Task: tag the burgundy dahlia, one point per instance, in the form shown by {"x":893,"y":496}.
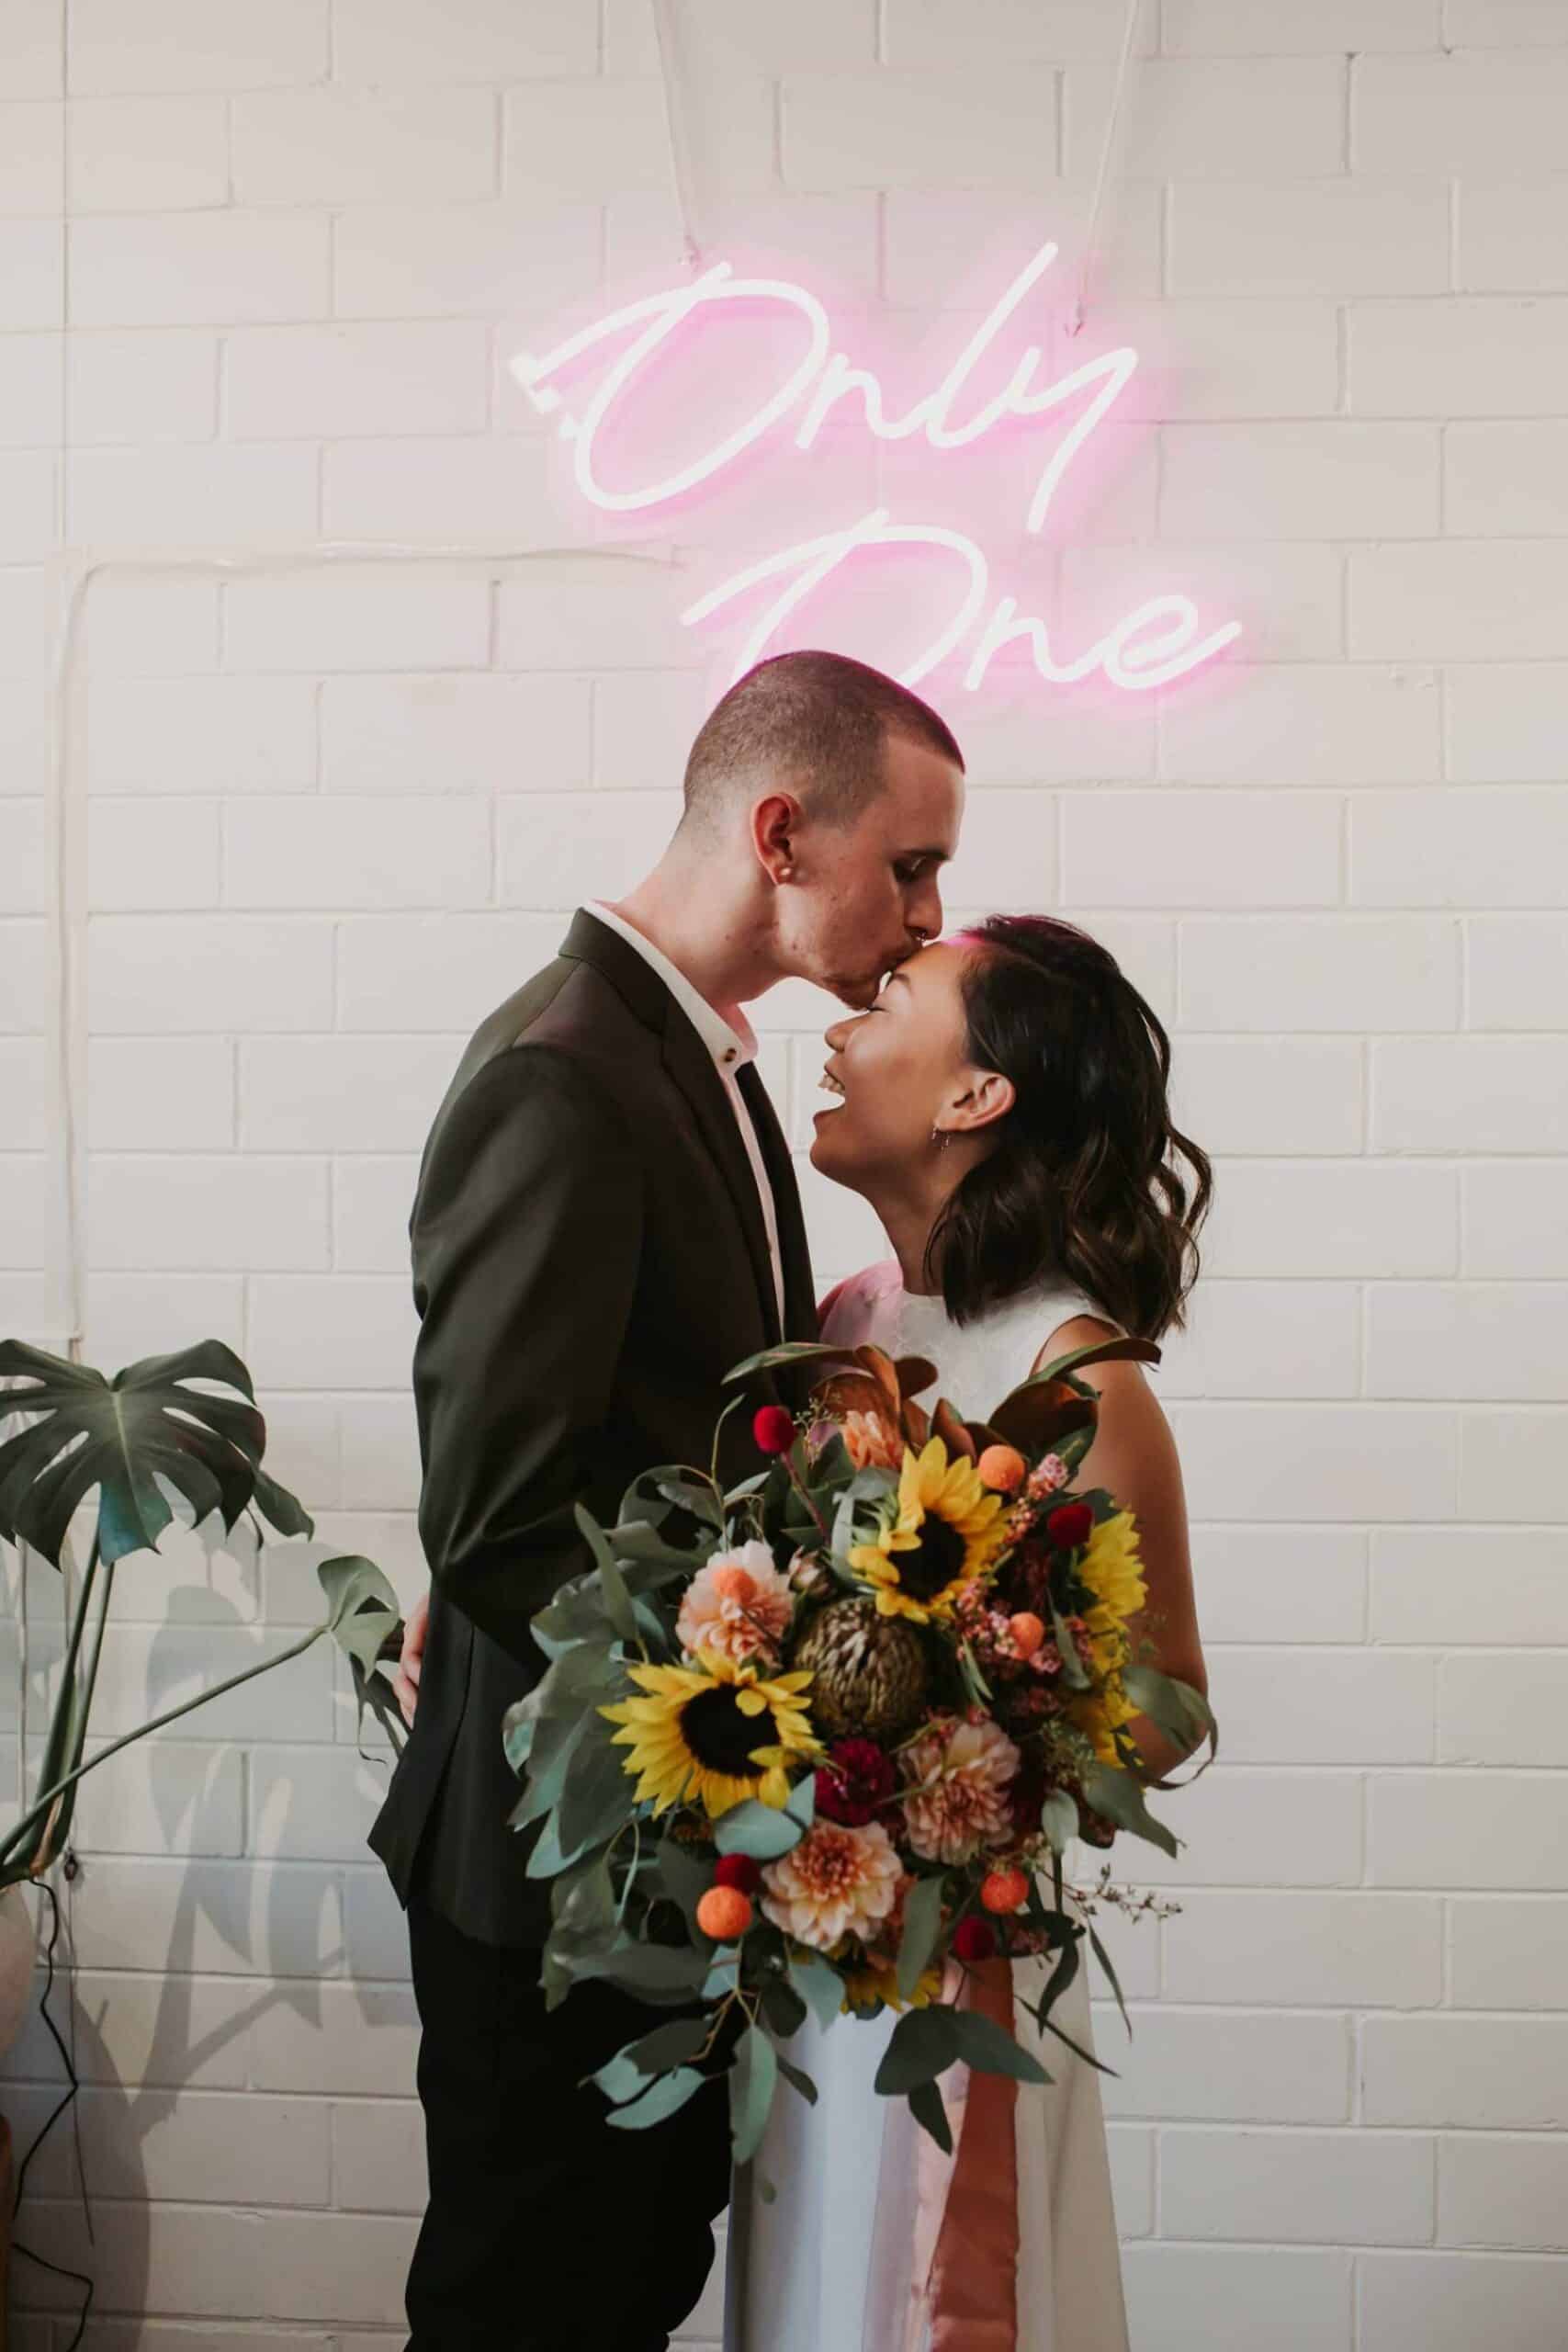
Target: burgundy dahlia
{"x":854,"y":1783}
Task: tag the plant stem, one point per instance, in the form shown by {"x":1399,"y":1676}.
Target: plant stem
{"x":159,"y":1723}
{"x":56,"y":1829}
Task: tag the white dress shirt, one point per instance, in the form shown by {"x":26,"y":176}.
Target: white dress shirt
{"x":730,"y":1049}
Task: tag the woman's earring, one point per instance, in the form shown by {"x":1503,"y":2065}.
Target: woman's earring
{"x":942,"y":1137}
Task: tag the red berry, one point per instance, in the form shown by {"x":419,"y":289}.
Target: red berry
{"x":974,"y":1939}
{"x":1069,"y":1525}
{"x":737,"y":1870}
{"x":773,"y":1428}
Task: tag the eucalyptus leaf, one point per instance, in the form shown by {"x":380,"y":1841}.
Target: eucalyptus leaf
{"x":675,"y":2044}
{"x":664,"y":2097}
{"x":989,"y":2048}
{"x":685,"y":1878}
{"x":1118,"y":1796}
{"x":798,"y":2079}
{"x":924,"y":2044}
{"x":754,"y":2078}
{"x":1059,"y":1820}
{"x":598,"y":1797}
{"x":801,"y":1802}
{"x":784,"y":2008}
{"x":923,"y":1926}
{"x":1111,"y":1976}
{"x":821,"y":1988}
{"x":617,"y":1600}
{"x":763,"y":1831}
{"x":926,"y":2107}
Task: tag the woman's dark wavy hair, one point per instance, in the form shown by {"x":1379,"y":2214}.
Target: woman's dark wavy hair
{"x":1083,"y":1183}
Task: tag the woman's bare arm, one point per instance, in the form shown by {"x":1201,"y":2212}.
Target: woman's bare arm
{"x":1134,"y":1456}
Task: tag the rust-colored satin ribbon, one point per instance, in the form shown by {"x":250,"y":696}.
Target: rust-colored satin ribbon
{"x":966,"y":2272}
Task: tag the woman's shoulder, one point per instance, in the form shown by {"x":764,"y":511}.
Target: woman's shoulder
{"x":854,"y":1305}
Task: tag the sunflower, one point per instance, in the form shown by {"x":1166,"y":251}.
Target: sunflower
{"x":948,"y":1531}
{"x":874,"y":1985}
{"x":1112,"y":1571}
{"x":700,"y":1735}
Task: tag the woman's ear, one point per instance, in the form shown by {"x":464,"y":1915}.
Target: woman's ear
{"x":983,"y":1099}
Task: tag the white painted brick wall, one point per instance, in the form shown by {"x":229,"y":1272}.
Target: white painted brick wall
{"x":333,"y":818}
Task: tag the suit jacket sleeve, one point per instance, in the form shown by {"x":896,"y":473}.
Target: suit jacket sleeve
{"x":526,"y":1237}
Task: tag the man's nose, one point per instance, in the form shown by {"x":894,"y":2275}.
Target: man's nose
{"x":924,"y":915}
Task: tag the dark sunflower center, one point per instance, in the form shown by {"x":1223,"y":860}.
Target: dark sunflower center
{"x":720,"y":1735}
{"x":934,"y":1562}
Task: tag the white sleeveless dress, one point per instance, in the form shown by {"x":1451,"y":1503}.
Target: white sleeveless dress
{"x":828,"y":2266}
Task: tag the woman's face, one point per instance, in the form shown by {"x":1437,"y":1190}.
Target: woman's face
{"x":897,"y":1071}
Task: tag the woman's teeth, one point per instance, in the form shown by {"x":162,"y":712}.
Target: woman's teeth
{"x":832,"y":1089}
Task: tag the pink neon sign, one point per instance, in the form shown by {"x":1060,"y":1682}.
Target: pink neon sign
{"x":1161,"y":639}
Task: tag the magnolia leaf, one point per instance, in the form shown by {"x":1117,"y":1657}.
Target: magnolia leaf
{"x":989,"y":2048}
{"x":1182,"y":1714}
{"x":763,"y":1831}
{"x":122,"y":1437}
{"x":821,"y":1988}
{"x":663,"y":2098}
{"x":924,"y":2044}
{"x":1123,"y":1350}
{"x":1119,"y":1797}
{"x":954,"y":1435}
{"x":754,"y":2078}
{"x":1041,"y":1416}
{"x":1059,"y":1820}
{"x":923,"y":1926}
{"x":793,"y":1351}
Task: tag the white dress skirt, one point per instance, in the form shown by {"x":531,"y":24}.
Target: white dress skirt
{"x":832,"y":2263}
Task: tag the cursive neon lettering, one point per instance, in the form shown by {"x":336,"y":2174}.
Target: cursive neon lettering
{"x":1160,"y":640}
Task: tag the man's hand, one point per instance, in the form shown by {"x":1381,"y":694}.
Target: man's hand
{"x":405,"y":1682}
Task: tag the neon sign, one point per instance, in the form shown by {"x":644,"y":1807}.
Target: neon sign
{"x":1158,"y":640}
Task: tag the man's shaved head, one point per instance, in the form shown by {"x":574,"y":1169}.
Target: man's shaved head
{"x":815,"y":725}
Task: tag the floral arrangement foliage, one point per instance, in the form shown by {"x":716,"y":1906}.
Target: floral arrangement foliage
{"x":819,"y":1745}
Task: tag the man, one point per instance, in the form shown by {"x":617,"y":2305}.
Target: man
{"x":607,"y":1220}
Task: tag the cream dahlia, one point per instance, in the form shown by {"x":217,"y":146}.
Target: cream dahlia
{"x":837,"y":1882}
{"x":738,"y":1607}
{"x":959,"y":1775}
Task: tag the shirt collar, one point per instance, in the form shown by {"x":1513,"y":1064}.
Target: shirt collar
{"x":729,"y":1047}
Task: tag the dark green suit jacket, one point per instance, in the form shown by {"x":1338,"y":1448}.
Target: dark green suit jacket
{"x":589,"y":1259}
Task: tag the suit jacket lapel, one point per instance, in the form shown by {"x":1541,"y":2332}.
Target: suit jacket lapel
{"x":799,"y":1291}
{"x":691,"y":1066}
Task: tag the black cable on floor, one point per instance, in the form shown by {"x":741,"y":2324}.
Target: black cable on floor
{"x":69,"y":2094}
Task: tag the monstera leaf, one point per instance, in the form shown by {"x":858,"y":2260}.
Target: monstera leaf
{"x":122,"y":1436}
{"x":363,"y":1620}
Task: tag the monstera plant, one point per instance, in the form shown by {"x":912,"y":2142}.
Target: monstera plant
{"x":187,"y":1424}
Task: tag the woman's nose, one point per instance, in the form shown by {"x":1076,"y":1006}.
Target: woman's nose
{"x":835,"y":1037}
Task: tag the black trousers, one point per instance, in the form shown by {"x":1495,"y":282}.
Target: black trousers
{"x":548,"y":2231}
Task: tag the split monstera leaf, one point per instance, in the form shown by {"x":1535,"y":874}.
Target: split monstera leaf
{"x":188,"y":1425}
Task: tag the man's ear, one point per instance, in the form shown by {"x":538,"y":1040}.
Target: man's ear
{"x":983,"y":1098}
{"x":776,"y":824}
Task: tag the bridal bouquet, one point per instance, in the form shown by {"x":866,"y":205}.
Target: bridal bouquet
{"x":816,"y":1745}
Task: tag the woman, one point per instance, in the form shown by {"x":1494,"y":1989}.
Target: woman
{"x":1002,"y":1106}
